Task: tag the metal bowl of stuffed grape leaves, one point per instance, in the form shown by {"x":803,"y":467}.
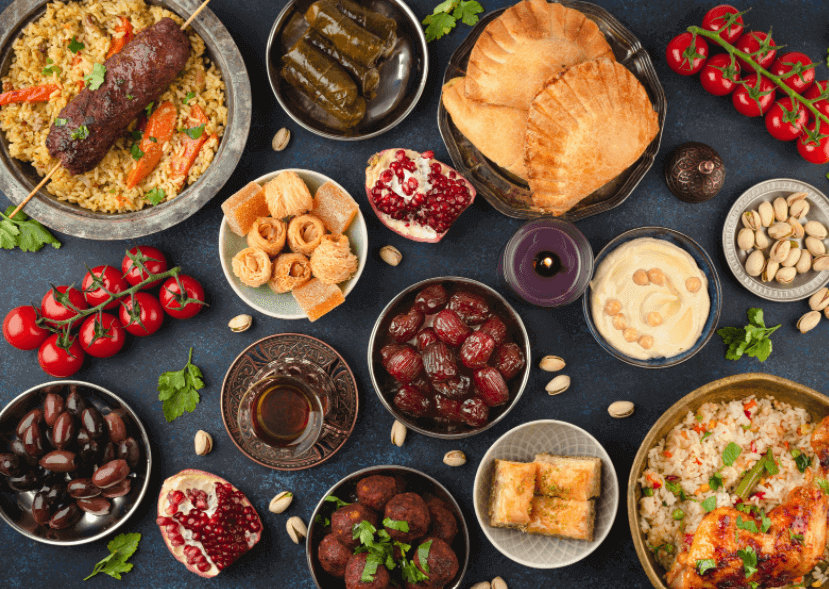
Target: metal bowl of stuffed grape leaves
{"x":347,"y":69}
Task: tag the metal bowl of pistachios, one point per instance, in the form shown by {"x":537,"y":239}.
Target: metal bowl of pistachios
{"x":775,"y":239}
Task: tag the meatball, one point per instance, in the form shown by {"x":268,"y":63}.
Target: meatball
{"x":354,"y":572}
{"x":442,"y":561}
{"x":375,"y":491}
{"x":344,"y":519}
{"x":444,"y":524}
{"x":411,"y":508}
{"x":333,"y":556}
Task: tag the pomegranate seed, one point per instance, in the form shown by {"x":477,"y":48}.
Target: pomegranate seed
{"x":399,"y":173}
{"x":413,"y":183}
{"x":436,"y":169}
{"x":400,"y":155}
{"x":410,"y":165}
{"x":176,"y":540}
{"x":427,"y":155}
{"x":453,"y":175}
{"x":407,"y":190}
{"x":386,"y":176}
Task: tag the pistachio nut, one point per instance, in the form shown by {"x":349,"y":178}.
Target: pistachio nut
{"x":390,"y":255}
{"x":398,"y":433}
{"x":482,"y":585}
{"x":769,"y":271}
{"x":794,"y":256}
{"x":820,"y":263}
{"x":755,"y":263}
{"x":499,"y":583}
{"x":766,"y":212}
{"x":804,"y":264}
{"x":281,"y":502}
{"x":781,"y":209}
{"x":693,"y":284}
{"x":203,"y":443}
{"x":795,"y":198}
{"x":745,"y":240}
{"x":454,"y":458}
{"x":815,"y":229}
{"x":240,"y":323}
{"x":751,"y":220}
{"x":786,"y":275}
{"x":640,"y":277}
{"x":620,"y":409}
{"x":781,"y":230}
{"x":809,"y":321}
{"x":761,"y":240}
{"x":558,"y":385}
{"x":798,"y":231}
{"x":820,"y":300}
{"x":552,"y":363}
{"x":799,"y":209}
{"x":281,"y":139}
{"x":297,"y":529}
{"x":816,"y":246}
{"x":826,"y":312}
{"x":780,"y":250}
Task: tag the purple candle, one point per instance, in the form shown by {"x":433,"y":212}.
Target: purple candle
{"x":548,"y":262}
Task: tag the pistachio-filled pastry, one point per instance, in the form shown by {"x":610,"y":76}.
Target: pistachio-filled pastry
{"x":252,"y":266}
{"x":268,"y":234}
{"x":305,"y":234}
{"x":332,"y":261}
{"x":289,"y":272}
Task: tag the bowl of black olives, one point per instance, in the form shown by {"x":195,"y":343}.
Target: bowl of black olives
{"x":74,"y":462}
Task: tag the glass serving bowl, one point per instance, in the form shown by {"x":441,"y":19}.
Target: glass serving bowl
{"x":714,"y":292}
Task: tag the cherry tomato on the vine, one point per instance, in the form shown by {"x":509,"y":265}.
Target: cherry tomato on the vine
{"x":754,"y":98}
{"x":60,"y":308}
{"x":784,"y":121}
{"x":683,"y":58}
{"x":141,"y":314}
{"x":21,"y":330}
{"x":152,"y":259}
{"x":796,"y":69}
{"x":813,"y":144}
{"x":61,"y":355}
{"x":98,"y":281}
{"x":102,"y":335}
{"x":754,"y":42}
{"x":182,"y":296}
{"x":817,"y":90}
{"x":715,"y":19}
{"x":719,"y":76}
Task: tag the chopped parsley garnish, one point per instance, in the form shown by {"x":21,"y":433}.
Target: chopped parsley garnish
{"x":81,"y":133}
{"x":130,"y":97}
{"x":730,"y":454}
{"x":705,"y":435}
{"x":339,"y":502}
{"x":715,"y":481}
{"x":153,"y":139}
{"x":190,"y":96}
{"x":800,"y":459}
{"x":119,"y":81}
{"x":749,"y":560}
{"x":156,"y":196}
{"x":96,"y":77}
{"x":136,"y":134}
{"x":705,"y":565}
{"x":765,"y":522}
{"x":149,"y":109}
{"x":667,"y":547}
{"x":797,"y":538}
{"x":60,"y":122}
{"x":399,"y":525}
{"x":709,"y":504}
{"x":423,"y":555}
{"x":136,"y":152}
{"x":748,"y":525}
{"x":50,"y":69}
{"x":372,"y":562}
{"x":75,"y":45}
{"x":195,"y":132}
{"x":823,"y":484}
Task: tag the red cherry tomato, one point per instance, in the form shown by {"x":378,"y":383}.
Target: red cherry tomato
{"x":141,"y":314}
{"x":102,"y":335}
{"x":182,"y":298}
{"x":796,"y":69}
{"x":719,"y":77}
{"x":152,"y":259}
{"x":755,"y":41}
{"x":785,"y":122}
{"x":21,"y":330}
{"x":55,"y":310}
{"x":98,"y":281}
{"x":753,"y":100}
{"x":715,"y":20}
{"x":684,"y":59}
{"x":817,"y":90}
{"x":60,"y":356}
{"x":813,"y":145}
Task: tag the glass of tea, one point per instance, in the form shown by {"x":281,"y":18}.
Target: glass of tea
{"x":282,"y":410}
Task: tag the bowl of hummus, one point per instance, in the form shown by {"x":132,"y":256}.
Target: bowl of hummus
{"x":655,"y":298}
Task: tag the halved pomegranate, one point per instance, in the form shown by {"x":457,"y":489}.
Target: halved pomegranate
{"x":415,"y":195}
{"x":206,"y":522}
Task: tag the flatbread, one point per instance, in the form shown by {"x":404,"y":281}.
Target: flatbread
{"x":497,"y":131}
{"x":525,"y":47}
{"x":584,"y":129}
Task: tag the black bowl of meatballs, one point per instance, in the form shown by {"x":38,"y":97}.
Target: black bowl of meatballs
{"x":388,"y":526}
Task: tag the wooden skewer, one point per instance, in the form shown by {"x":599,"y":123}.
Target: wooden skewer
{"x":57,"y":166}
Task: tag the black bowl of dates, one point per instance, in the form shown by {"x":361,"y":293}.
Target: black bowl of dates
{"x":388,"y":526}
{"x":448,"y":357}
{"x":74,"y":462}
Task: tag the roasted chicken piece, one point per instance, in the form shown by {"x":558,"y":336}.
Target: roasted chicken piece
{"x":723,"y":555}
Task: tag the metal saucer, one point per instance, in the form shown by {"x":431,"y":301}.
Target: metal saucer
{"x":804,"y":285}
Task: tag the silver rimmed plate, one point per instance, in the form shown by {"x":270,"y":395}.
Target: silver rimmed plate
{"x":804,"y":285}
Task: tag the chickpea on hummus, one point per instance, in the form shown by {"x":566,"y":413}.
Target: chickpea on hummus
{"x":649,"y":299}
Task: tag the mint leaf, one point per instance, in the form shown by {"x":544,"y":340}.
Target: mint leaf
{"x":179,"y":390}
{"x":730,"y":454}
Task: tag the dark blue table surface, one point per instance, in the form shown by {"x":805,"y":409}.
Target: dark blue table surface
{"x":471,"y":249}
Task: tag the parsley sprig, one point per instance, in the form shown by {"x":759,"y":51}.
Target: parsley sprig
{"x":121,"y":548}
{"x":179,"y":390}
{"x":155,"y":196}
{"x":23,"y":232}
{"x":446,"y":15}
{"x":95,"y":78}
{"x":752,"y":340}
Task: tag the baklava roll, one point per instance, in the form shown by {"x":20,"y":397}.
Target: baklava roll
{"x":252,"y":266}
{"x":268,"y":234}
{"x":305,"y":233}
{"x":289,"y":271}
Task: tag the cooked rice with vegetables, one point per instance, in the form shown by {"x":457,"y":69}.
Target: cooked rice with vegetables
{"x":66,"y":48}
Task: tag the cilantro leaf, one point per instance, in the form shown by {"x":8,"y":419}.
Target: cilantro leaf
{"x":412,"y":574}
{"x":75,"y":45}
{"x":715,"y":481}
{"x":194,"y":132}
{"x":95,"y":78}
{"x":823,"y":484}
{"x":121,"y":548}
{"x":801,"y":460}
{"x":705,"y":565}
{"x":755,"y":317}
{"x":370,"y":569}
{"x":179,"y":390}
{"x":21,"y":231}
{"x":730,"y":454}
{"x":50,"y":68}
{"x":61,"y":122}
{"x":676,"y":489}
{"x":765,"y":522}
{"x":136,"y":152}
{"x":709,"y":504}
{"x":156,"y":196}
{"x":748,"y":525}
{"x":399,"y":525}
{"x":438,"y":25}
{"x":339,"y":502}
{"x":364,"y":531}
{"x":423,"y":555}
{"x":749,"y":560}
{"x":190,"y":96}
{"x":752,"y":340}
{"x":80,"y":133}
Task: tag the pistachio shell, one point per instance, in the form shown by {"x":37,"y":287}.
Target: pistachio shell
{"x":786,"y":275}
{"x":454,"y":458}
{"x":804,"y":264}
{"x":482,"y":585}
{"x":781,"y":209}
{"x":552,"y":363}
{"x":815,"y":229}
{"x":780,"y":250}
{"x":751,"y":220}
{"x":297,"y":529}
{"x":499,"y":583}
{"x":281,"y":502}
{"x":558,"y":385}
{"x":203,"y":443}
{"x":281,"y":139}
{"x":398,"y":433}
{"x":793,"y":258}
{"x":820,"y":300}
{"x":816,"y":246}
{"x":766,"y":212}
{"x":798,"y":232}
{"x":620,"y":409}
{"x":799,"y":209}
{"x":781,"y":230}
{"x":390,"y":255}
{"x":745,"y":239}
{"x":826,"y":312}
{"x":809,"y":321}
{"x":761,"y":240}
{"x":795,"y":198}
{"x":240,"y":323}
{"x":769,"y":271}
{"x":754,"y":263}
{"x":820,"y":263}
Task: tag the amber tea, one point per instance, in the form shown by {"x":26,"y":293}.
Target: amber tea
{"x":281,"y":414}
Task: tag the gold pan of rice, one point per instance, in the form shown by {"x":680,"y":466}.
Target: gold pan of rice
{"x":670,"y":477}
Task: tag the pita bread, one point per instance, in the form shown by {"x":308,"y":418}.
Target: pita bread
{"x":525,"y":47}
{"x":497,"y":131}
{"x":584,"y":129}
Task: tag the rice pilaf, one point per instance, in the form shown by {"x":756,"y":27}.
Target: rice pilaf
{"x":42,"y":56}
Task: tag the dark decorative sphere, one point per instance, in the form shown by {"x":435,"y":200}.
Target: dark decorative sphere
{"x":694,"y":172}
